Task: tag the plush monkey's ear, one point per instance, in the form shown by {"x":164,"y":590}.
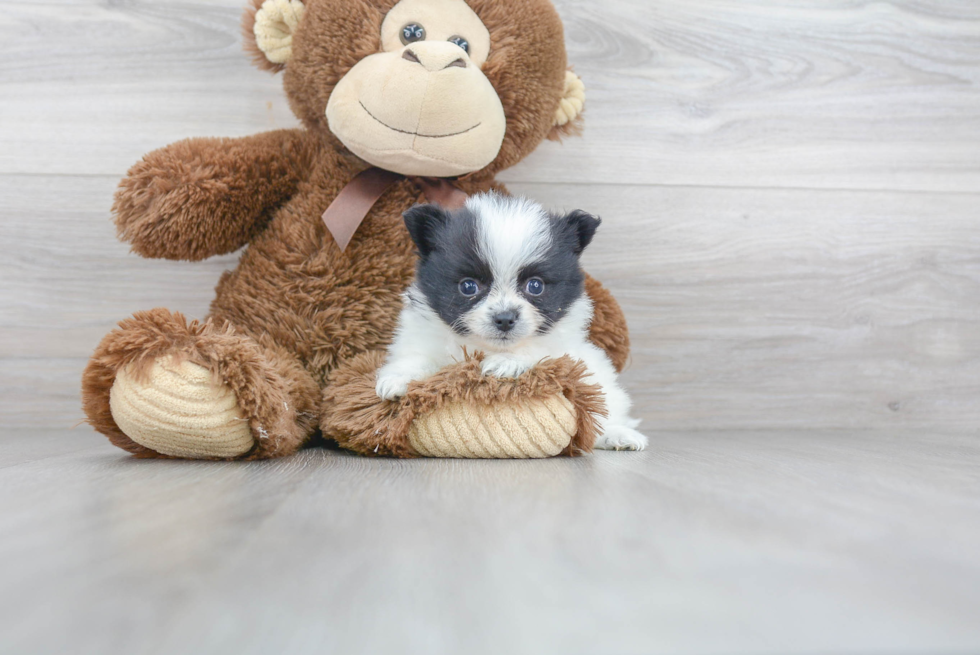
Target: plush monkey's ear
{"x":584,"y":226}
{"x":568,"y":117}
{"x":423,"y":223}
{"x":268,"y":27}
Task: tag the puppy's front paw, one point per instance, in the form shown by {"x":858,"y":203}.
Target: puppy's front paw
{"x":620,"y":437}
{"x":503,"y":366}
{"x":391,"y":386}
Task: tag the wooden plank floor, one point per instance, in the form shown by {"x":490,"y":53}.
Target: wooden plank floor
{"x":712,"y":542}
{"x":791,"y":194}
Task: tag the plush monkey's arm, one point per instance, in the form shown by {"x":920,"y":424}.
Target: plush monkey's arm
{"x":202,"y":197}
{"x":609,"y":330}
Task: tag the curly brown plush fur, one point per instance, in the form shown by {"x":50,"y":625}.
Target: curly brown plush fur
{"x":297,"y":310}
{"x":274,"y":391}
{"x":203,"y":197}
{"x":358,"y":420}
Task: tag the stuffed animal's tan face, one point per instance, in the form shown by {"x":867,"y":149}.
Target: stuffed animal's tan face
{"x":422,"y":106}
{"x":423,"y":87}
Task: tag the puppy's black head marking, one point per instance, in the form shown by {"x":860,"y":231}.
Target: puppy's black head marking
{"x":423,"y":223}
{"x":448,"y":252}
{"x":584,"y":226}
{"x":559,"y":268}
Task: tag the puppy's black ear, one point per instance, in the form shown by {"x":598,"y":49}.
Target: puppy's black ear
{"x":583,"y":226}
{"x":423,"y":222}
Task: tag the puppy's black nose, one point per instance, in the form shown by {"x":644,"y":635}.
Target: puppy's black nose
{"x":505,"y":321}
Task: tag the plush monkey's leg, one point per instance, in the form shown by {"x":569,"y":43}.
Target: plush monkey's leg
{"x":608,"y":330}
{"x":160,"y":387}
{"x":459,"y":412}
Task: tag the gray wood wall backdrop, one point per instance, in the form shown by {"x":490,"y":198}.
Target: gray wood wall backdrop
{"x":791,"y":193}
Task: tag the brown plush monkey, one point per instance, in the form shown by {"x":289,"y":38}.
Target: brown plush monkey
{"x":458,"y":89}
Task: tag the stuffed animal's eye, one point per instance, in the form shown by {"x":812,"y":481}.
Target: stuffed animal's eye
{"x":412,"y":32}
{"x":461,"y":42}
{"x":469,"y":287}
{"x":535,"y":286}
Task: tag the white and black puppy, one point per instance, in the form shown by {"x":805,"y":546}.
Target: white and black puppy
{"x":502,"y":276}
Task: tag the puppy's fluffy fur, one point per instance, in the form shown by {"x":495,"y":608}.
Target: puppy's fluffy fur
{"x":502,"y":276}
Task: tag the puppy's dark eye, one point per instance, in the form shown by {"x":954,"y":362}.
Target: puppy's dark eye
{"x":461,"y":42}
{"x":469,"y":287}
{"x":535,"y":286}
{"x":412,"y":32}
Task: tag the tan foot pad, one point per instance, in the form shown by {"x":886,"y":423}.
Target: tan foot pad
{"x":530,"y":429}
{"x":177,"y":410}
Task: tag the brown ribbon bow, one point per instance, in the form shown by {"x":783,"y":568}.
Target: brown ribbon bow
{"x":349,"y":209}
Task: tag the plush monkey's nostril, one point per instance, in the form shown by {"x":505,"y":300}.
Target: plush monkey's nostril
{"x":505,"y":321}
{"x":433,"y":60}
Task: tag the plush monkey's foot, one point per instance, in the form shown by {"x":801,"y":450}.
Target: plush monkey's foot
{"x":460,"y":412}
{"x":160,"y":387}
{"x":177,"y":409}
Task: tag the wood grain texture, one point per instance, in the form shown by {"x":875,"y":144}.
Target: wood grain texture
{"x":749,"y":309}
{"x":790,"y":194}
{"x":712,"y":542}
{"x":824,"y":93}
{"x":817,"y":94}
{"x":792,"y":309}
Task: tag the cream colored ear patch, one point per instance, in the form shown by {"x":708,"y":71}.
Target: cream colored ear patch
{"x":275,"y":23}
{"x":572,"y":101}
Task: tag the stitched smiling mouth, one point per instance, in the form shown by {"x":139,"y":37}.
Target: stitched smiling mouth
{"x":427,"y":136}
